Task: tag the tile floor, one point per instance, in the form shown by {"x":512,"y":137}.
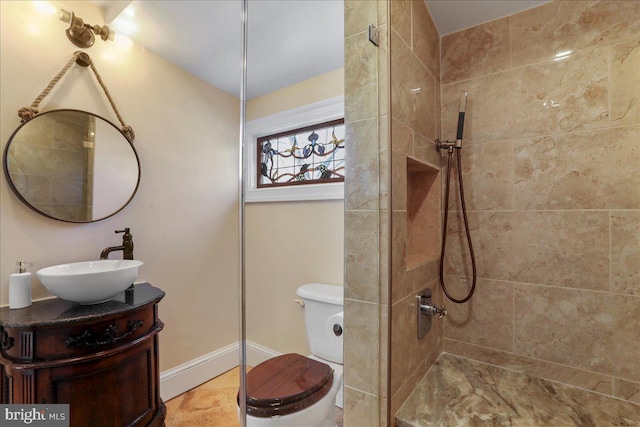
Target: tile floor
{"x":464,"y":393}
{"x":212,"y":404}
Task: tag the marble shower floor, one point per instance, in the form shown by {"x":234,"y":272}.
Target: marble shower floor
{"x":212,"y":404}
{"x":461,"y":392}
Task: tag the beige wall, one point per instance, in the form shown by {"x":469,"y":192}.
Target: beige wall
{"x":415,"y":184}
{"x":552,"y":179}
{"x":184,"y":216}
{"x":288,"y":244}
{"x":324,"y":86}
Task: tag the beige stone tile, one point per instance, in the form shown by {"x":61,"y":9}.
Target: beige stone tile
{"x":491,"y":235}
{"x":35,"y":189}
{"x":383,"y":70}
{"x":542,"y":99}
{"x":421,"y":276}
{"x":384,"y":414}
{"x":401,"y":146}
{"x":538,"y":368}
{"x":462,"y":392}
{"x":412,"y":381}
{"x":358,"y":14}
{"x":361,"y":255}
{"x":425,"y":150}
{"x":400,"y":287}
{"x":362,"y":160}
{"x":477,"y":51}
{"x":582,"y":170}
{"x":384,"y":161}
{"x":407,"y":351}
{"x":400,"y":11}
{"x":360,"y":78}
{"x":539,"y":34}
{"x":33,"y":160}
{"x":360,"y":409}
{"x":383,"y":11}
{"x":69,"y":191}
{"x":625,"y":252}
{"x":426,"y":40}
{"x":69,"y":135}
{"x":71,"y":212}
{"x":588,"y":330}
{"x":405,"y":281}
{"x":624,"y":314}
{"x":487,"y":319}
{"x":626,"y":390}
{"x":567,"y":248}
{"x":625,"y":83}
{"x":439,"y":113}
{"x":385,"y":256}
{"x":383,"y":364}
{"x":38,"y":133}
{"x":361,"y":346}
{"x":487,"y":173}
{"x":412,"y":89}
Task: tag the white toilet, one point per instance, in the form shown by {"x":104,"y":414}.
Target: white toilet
{"x":293,"y":390}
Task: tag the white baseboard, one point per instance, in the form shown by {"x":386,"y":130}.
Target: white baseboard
{"x":257,"y":354}
{"x":191,"y":374}
{"x":184,"y":377}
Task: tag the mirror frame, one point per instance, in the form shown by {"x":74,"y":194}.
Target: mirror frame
{"x":28,"y":204}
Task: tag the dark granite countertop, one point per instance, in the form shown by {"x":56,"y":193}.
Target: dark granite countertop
{"x":56,"y":311}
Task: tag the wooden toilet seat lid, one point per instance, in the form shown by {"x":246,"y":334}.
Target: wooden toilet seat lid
{"x":286,"y":384}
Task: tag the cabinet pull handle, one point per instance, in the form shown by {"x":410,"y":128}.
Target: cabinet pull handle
{"x":110,"y":335}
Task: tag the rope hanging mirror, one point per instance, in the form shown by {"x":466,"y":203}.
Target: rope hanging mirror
{"x":72,"y":165}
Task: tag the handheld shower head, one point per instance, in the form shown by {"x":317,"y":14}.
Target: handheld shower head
{"x":461,"y":111}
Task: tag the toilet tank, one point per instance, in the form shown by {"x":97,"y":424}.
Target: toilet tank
{"x":323,"y":310}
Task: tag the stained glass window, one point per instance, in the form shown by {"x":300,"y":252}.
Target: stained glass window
{"x":310,"y":155}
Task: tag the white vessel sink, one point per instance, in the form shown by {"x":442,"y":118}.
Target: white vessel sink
{"x":90,"y":282}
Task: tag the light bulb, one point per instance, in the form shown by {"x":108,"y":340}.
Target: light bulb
{"x":44,"y":7}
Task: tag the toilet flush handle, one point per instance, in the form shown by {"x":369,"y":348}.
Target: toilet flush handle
{"x":299,"y":302}
{"x":337,"y":330}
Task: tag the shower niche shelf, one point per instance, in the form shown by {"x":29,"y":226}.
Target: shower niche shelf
{"x":423,"y":212}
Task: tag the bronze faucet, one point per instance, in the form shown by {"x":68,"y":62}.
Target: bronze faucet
{"x":126,"y":248}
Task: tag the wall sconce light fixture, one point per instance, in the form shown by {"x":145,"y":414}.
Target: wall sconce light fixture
{"x":81,"y":34}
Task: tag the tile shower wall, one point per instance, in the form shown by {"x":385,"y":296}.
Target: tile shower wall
{"x":415,"y":196}
{"x":366,"y":216}
{"x":552,"y":178}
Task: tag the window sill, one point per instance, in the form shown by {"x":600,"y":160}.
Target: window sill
{"x":298,"y":193}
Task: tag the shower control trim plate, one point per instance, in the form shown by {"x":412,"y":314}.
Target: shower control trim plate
{"x":426,"y":309}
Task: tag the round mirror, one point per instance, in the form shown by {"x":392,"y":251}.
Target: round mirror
{"x":72,"y":166}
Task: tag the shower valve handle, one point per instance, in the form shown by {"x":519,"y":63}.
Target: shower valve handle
{"x":442,"y":311}
{"x":431,"y":310}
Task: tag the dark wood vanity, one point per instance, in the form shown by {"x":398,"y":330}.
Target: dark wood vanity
{"x":100,"y":359}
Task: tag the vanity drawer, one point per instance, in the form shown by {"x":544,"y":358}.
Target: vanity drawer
{"x":76,"y":340}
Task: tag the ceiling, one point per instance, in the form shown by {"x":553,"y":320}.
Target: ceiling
{"x":289,"y":41}
{"x":450,"y":16}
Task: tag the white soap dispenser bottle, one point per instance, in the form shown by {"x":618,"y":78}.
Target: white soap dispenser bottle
{"x":20,"y":287}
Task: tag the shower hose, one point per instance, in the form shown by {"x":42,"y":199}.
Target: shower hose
{"x":466,"y":227}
